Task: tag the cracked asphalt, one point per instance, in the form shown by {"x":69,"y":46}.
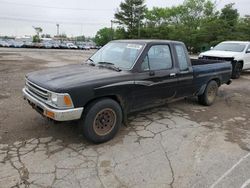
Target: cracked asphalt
{"x":181,"y":144}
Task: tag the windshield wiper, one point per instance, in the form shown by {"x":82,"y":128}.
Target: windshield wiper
{"x":109,"y":65}
{"x":92,"y":63}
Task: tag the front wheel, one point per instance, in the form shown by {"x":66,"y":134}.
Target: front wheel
{"x":209,"y":95}
{"x":237,"y":70}
{"x":101,"y":120}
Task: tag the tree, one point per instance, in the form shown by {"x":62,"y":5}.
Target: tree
{"x":230,"y":15}
{"x":120,"y":33}
{"x":103,"y":36}
{"x":36,"y":38}
{"x":130,"y":16}
{"x":38,"y":30}
{"x":195,"y":22}
{"x":182,"y":22}
{"x":243,"y":28}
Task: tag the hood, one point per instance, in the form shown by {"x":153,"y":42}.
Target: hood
{"x":224,"y":54}
{"x":59,"y":78}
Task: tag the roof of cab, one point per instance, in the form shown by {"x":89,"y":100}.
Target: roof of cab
{"x":240,"y":42}
{"x":147,"y":41}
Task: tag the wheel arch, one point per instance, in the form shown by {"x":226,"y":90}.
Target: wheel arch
{"x":119,"y":99}
{"x":217,"y":80}
{"x":204,"y":86}
{"x":241,"y":62}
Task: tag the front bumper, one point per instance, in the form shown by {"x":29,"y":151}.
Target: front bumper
{"x":52,"y":113}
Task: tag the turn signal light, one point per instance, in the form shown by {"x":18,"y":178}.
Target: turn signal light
{"x":67,"y":100}
{"x":50,"y":114}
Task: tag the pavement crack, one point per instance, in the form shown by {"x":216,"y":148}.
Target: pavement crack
{"x":97,"y":172}
{"x":169,"y":162}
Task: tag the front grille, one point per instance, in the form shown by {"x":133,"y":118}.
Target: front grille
{"x":218,"y":58}
{"x":37,"y":91}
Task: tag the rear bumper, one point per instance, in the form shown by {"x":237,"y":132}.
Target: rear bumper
{"x":55,"y":114}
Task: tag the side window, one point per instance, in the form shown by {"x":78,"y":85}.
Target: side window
{"x":248,"y":48}
{"x":158,"y":58}
{"x":182,"y":59}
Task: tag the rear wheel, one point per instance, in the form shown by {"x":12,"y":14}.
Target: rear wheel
{"x":209,"y":95}
{"x":101,"y":120}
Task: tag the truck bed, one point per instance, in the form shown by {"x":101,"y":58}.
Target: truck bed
{"x":204,"y":70}
{"x":212,"y":60}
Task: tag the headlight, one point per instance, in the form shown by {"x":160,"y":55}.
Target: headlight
{"x":54,"y":98}
{"x":200,"y":56}
{"x":60,"y":100}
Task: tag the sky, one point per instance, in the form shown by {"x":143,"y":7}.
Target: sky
{"x":75,"y":17}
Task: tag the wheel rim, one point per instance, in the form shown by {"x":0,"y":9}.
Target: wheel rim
{"x":104,"y":122}
{"x":211,"y":93}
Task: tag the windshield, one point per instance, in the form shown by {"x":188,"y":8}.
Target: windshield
{"x":120,"y":54}
{"x":232,"y":47}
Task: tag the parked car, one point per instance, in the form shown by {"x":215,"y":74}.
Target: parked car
{"x":71,"y":46}
{"x":56,"y":45}
{"x":47,"y":45}
{"x":237,"y":52}
{"x":86,"y":47}
{"x":123,"y":77}
{"x":18,"y":44}
{"x":37,"y":45}
{"x":63,"y":46}
{"x":27,"y":45}
{"x":4,"y":43}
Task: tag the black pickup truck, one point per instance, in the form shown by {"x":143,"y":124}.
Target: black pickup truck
{"x":123,"y":77}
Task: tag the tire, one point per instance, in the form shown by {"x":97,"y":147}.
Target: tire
{"x":209,"y":95}
{"x":237,"y":70}
{"x":101,"y":121}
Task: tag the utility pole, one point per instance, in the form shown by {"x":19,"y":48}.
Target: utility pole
{"x":57,"y":25}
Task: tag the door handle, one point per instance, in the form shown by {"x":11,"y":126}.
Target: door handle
{"x":172,"y":74}
{"x":151,"y":73}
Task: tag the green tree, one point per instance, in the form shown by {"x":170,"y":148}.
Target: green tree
{"x":120,"y":33}
{"x":230,"y":14}
{"x":38,"y":30}
{"x":103,"y":36}
{"x":36,"y":38}
{"x":181,"y":22}
{"x":243,"y":28}
{"x":130,"y":16}
{"x":195,"y":22}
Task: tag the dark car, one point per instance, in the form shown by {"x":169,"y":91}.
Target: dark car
{"x":123,"y":77}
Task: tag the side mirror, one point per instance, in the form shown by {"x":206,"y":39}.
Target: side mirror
{"x":211,"y":48}
{"x":248,"y":51}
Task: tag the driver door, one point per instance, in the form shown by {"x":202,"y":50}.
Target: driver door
{"x":157,"y":81}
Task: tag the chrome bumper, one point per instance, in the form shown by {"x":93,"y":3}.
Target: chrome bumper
{"x":58,"y":115}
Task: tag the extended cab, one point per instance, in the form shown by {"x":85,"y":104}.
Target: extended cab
{"x":237,"y":52}
{"x":122,"y":77}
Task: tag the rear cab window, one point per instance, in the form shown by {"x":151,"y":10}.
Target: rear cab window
{"x":181,"y":57}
